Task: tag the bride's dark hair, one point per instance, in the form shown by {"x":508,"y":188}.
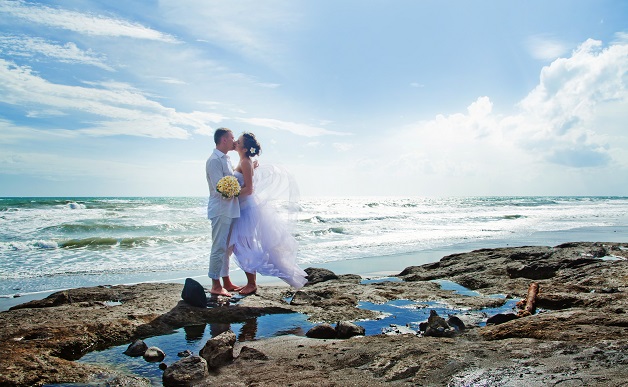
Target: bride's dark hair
{"x":250,"y":143}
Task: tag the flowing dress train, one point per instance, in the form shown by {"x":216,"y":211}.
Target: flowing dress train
{"x":262,"y":236}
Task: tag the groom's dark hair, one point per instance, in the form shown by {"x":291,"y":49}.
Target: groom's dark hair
{"x":219,"y":133}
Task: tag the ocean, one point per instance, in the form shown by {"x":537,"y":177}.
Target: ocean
{"x":49,"y":244}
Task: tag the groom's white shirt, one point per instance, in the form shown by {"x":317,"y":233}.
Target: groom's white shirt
{"x":218,"y":166}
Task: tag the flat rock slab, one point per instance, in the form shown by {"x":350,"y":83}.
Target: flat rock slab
{"x":578,"y":335}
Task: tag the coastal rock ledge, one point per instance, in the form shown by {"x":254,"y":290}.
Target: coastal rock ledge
{"x":576,"y":337}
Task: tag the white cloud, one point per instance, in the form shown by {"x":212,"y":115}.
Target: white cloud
{"x":122,"y":109}
{"x":234,"y":26}
{"x":24,"y":46}
{"x":556,"y":123}
{"x":621,"y":37}
{"x":342,"y":146}
{"x":171,"y":81}
{"x":292,"y":127}
{"x":557,"y":116}
{"x":62,"y":167}
{"x":83,"y":23}
{"x":561,"y":137}
{"x":544,"y":47}
{"x":45,"y":113}
{"x":13,"y":134}
{"x":215,"y":105}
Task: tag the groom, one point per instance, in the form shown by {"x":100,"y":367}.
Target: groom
{"x":221,"y":212}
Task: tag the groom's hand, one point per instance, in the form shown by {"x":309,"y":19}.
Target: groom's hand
{"x":255,"y":164}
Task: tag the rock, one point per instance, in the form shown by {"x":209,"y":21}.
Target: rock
{"x":154,"y":355}
{"x":316,"y":275}
{"x":456,"y":323}
{"x":128,"y":381}
{"x":354,"y":278}
{"x":193,"y":293}
{"x":163,"y":366}
{"x":579,"y":340}
{"x":322,"y":331}
{"x":440,"y":332}
{"x":136,"y":349}
{"x":301,"y":298}
{"x":437,"y":326}
{"x":436,"y":321}
{"x":346,"y":329}
{"x":395,"y":329}
{"x":185,"y":353}
{"x":219,"y":350}
{"x":501,"y":318}
{"x":188,"y":371}
{"x":248,"y":353}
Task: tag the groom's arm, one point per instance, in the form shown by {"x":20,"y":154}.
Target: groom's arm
{"x":214,"y":172}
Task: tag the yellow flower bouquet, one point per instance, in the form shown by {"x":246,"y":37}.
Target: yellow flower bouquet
{"x":228,"y":187}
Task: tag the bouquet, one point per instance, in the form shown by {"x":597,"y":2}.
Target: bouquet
{"x":228,"y":187}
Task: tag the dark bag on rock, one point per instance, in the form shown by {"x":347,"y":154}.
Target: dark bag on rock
{"x":194,"y":294}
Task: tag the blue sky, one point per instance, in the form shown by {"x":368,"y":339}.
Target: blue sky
{"x":425,"y":98}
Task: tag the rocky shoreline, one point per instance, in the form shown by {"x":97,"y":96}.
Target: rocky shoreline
{"x":577,"y":338}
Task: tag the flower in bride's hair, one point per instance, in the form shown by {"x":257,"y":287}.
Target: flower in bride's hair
{"x":228,"y":187}
{"x":253,"y":150}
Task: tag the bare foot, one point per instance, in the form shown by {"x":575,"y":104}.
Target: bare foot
{"x":220,"y":292}
{"x":233,"y":288}
{"x":248,"y":289}
{"x":230,"y":286}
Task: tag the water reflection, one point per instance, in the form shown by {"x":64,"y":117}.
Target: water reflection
{"x":251,"y":329}
{"x":217,"y":328}
{"x":248,"y":332}
{"x":194,"y":332}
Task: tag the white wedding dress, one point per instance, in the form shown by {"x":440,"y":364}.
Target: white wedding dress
{"x":262,"y":236}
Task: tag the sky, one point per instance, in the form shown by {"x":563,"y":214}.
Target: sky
{"x":354,"y":97}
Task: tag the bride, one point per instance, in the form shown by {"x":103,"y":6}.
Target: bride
{"x":261,"y":238}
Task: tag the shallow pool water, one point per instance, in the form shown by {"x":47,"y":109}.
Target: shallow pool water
{"x":406,"y":313}
{"x":193,"y":338}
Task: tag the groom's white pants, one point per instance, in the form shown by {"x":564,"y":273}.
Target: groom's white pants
{"x":218,"y":261}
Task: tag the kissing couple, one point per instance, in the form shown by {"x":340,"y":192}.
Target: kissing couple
{"x":249,"y":226}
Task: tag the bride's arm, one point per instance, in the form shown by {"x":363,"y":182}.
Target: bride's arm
{"x":247,"y":173}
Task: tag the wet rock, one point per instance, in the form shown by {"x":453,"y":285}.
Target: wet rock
{"x":248,"y":353}
{"x":185,"y":353}
{"x":322,"y":331}
{"x":154,"y":355}
{"x":163,"y":366}
{"x":316,"y":275}
{"x":346,"y":329}
{"x":472,"y":282}
{"x":437,"y":326}
{"x":395,"y":329}
{"x":194,"y":294}
{"x":136,"y":349}
{"x":301,"y":298}
{"x":456,"y":323}
{"x":219,"y":350}
{"x":580,"y":335}
{"x":188,"y":371}
{"x":501,"y":318}
{"x":128,"y":381}
{"x":354,"y":278}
